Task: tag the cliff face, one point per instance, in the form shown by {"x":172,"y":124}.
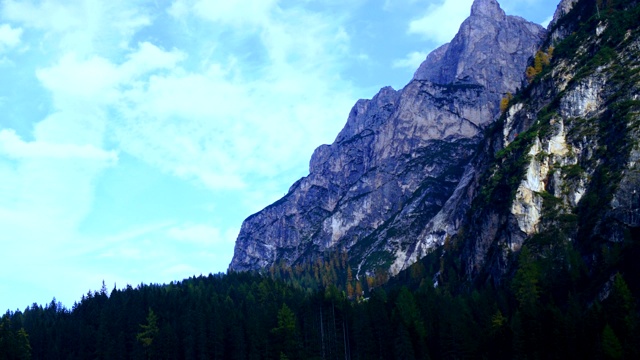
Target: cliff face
{"x":396,"y":180}
{"x":561,"y":166}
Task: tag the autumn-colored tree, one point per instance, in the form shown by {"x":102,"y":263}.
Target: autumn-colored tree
{"x":370,"y":282}
{"x":504,"y":103}
{"x":541,"y":60}
{"x":531,"y":73}
{"x":350,"y":291}
{"x":358,"y":289}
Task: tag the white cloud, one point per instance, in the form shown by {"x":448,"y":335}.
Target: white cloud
{"x":9,"y":37}
{"x":45,"y":15}
{"x":11,"y":145}
{"x":84,"y":79}
{"x":202,"y":235}
{"x":237,"y":13}
{"x":95,"y":78}
{"x":84,"y":91}
{"x":412,"y":61}
{"x":229,"y":122}
{"x":86,"y":26}
{"x":149,"y":58}
{"x":218,"y":122}
{"x":441,"y":22}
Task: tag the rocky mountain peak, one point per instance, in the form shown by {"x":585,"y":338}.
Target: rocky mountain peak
{"x":385,"y":192}
{"x":563,"y":8}
{"x":487,"y":51}
{"x":559,"y":32}
{"x":487,"y":8}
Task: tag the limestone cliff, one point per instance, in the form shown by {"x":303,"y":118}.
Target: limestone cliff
{"x":393,"y":183}
{"x":561,"y":165}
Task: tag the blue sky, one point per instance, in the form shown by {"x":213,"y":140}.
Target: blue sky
{"x":136,"y":136}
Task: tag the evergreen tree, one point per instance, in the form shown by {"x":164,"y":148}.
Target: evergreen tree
{"x":14,"y":343}
{"x":611,"y":348}
{"x":148,"y":333}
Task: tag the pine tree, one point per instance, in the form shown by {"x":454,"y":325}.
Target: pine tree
{"x":14,"y":344}
{"x":525,"y":282}
{"x":148,"y":333}
{"x":403,"y":347}
{"x":286,"y":334}
{"x":611,"y":348}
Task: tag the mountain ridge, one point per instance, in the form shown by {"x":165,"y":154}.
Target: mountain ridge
{"x":398,"y":158}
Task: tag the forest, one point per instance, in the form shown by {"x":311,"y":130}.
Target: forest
{"x":539,"y":314}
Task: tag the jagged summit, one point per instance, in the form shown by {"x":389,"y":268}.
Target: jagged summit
{"x":487,"y":8}
{"x":487,"y":51}
{"x":563,"y":8}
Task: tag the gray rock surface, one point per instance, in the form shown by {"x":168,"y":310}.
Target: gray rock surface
{"x":560,"y":194}
{"x":392,"y":185}
{"x":563,"y":9}
{"x":488,"y":50}
{"x":557,"y":30}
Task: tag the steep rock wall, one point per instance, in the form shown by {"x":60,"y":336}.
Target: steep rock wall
{"x":564,"y":155}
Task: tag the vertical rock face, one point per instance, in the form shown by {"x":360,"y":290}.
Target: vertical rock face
{"x":393,"y":184}
{"x":565,"y":163}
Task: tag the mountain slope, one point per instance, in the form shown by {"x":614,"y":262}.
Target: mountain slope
{"x":379,"y":191}
{"x":560,"y":168}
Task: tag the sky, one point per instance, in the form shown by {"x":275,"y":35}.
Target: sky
{"x":136,"y":136}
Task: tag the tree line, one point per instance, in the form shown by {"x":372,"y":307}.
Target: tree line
{"x":252,"y":316}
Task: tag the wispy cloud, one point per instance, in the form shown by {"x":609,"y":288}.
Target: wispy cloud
{"x":9,"y":37}
{"x":230,"y":121}
{"x":239,"y":14}
{"x":412,"y":61}
{"x":12,"y":146}
{"x":546,"y":21}
{"x":202,"y":234}
{"x":441,"y":21}
{"x":86,"y":27}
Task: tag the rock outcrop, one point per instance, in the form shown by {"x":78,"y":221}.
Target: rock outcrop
{"x":395,"y":181}
{"x":489,"y":50}
{"x":563,"y":9}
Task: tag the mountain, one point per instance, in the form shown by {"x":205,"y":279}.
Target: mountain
{"x":558,"y":173}
{"x":390,"y":187}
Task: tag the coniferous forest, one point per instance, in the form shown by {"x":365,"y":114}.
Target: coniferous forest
{"x":541,"y":313}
